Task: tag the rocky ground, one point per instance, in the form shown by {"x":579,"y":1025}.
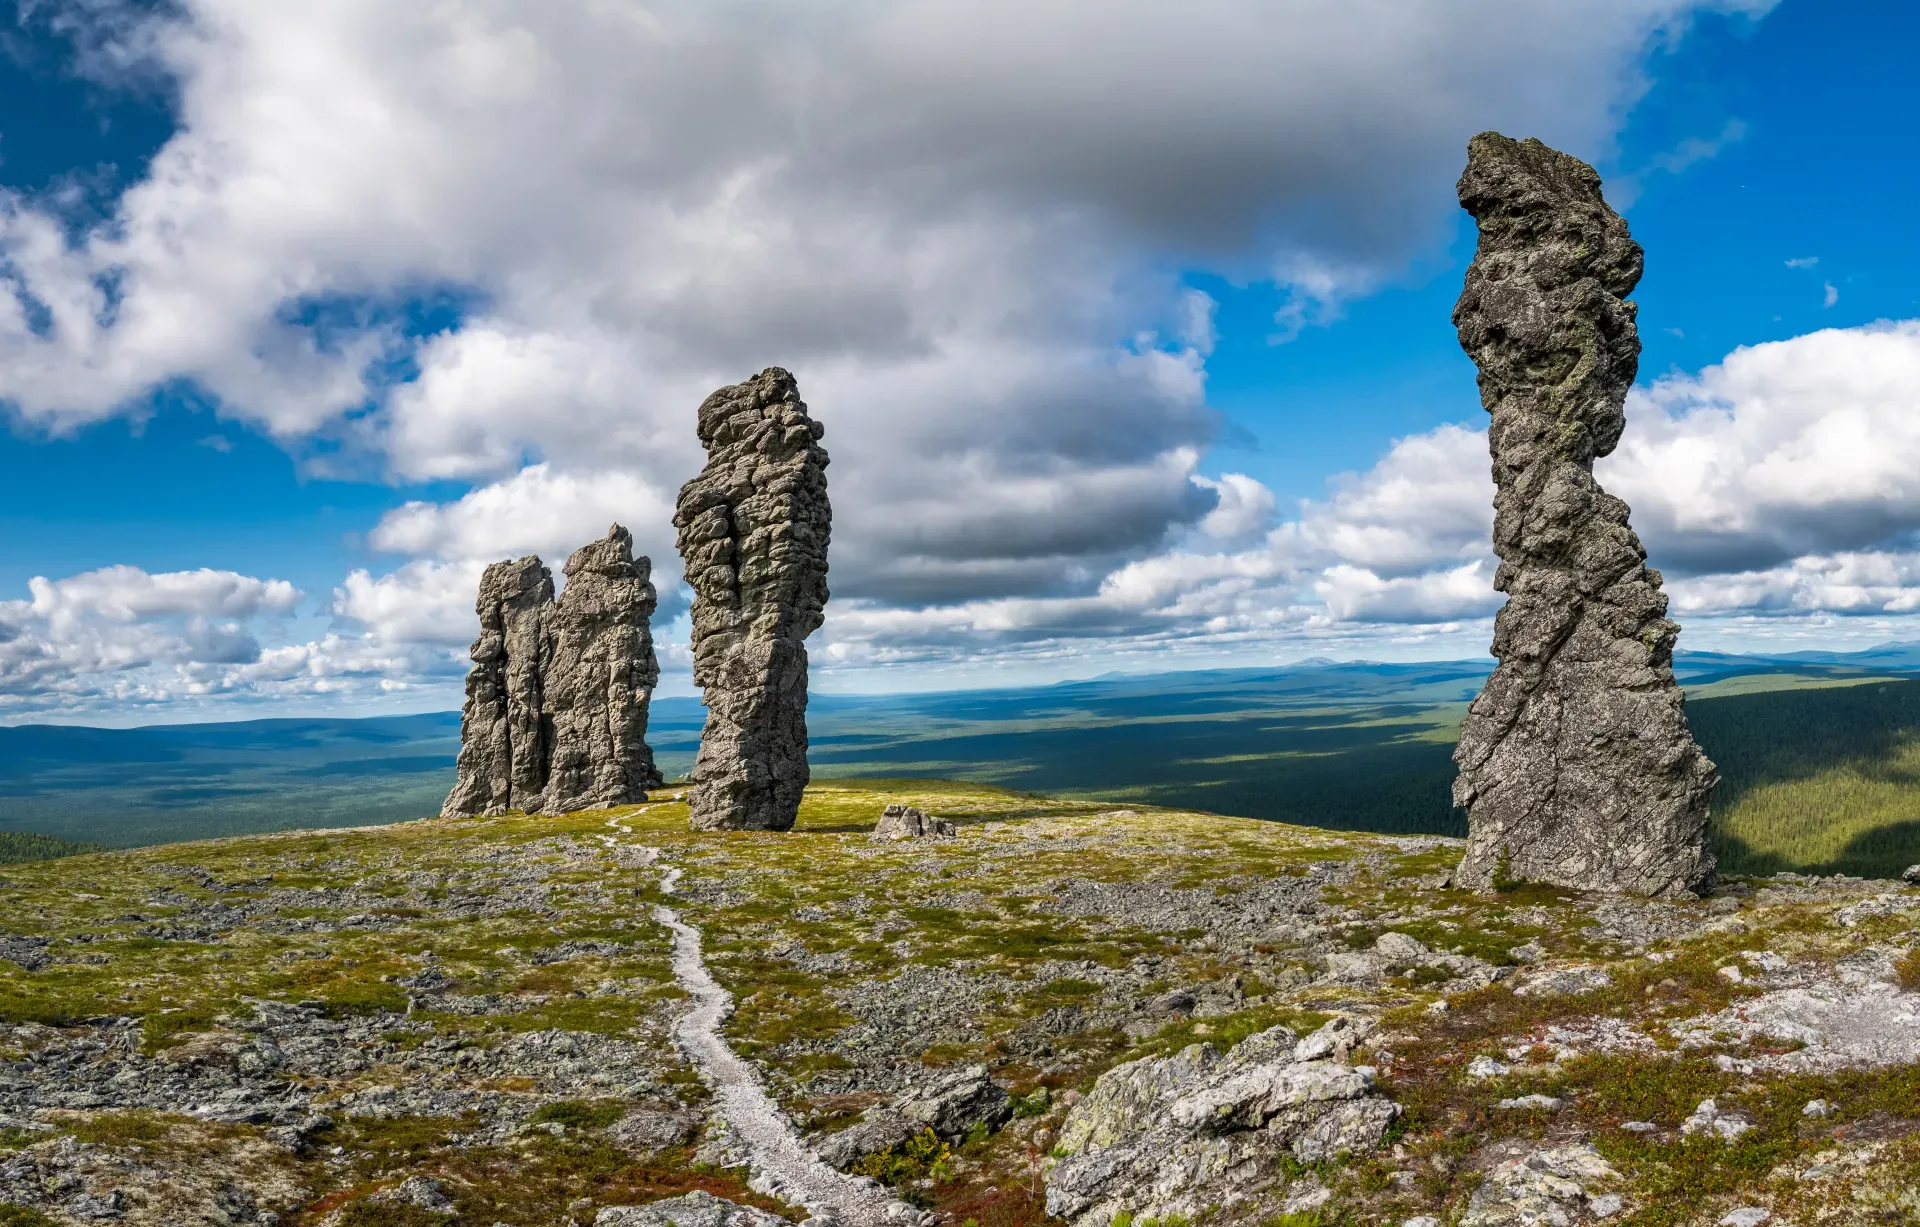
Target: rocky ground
{"x":1096,"y":1016}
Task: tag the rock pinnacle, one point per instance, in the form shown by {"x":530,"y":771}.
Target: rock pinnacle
{"x":1577,"y":767}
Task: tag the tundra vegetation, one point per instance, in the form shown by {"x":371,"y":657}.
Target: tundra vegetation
{"x":467,"y":1020}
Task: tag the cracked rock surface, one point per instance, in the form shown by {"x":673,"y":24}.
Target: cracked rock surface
{"x":1198,"y":1131}
{"x":753,"y":531}
{"x":556,"y":713}
{"x":1577,"y":766}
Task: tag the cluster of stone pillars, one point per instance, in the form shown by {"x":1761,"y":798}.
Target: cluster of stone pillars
{"x":556,"y":711}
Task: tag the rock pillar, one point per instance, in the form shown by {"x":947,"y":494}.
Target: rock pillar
{"x":753,"y":531}
{"x":1577,"y":767}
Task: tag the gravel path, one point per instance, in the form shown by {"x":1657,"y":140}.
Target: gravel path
{"x":781,"y":1163}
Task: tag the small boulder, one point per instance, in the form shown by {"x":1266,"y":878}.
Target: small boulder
{"x":1564,"y":982}
{"x":646,"y":1131}
{"x":1400,"y":949}
{"x":1911,"y":875}
{"x":1487,"y":1067}
{"x":880,"y":1130}
{"x":955,"y":1102}
{"x":1200,"y":1131}
{"x":695,"y":1209}
{"x":422,"y":1191}
{"x":1529,"y":1103}
{"x":1709,"y":1120}
{"x":906,"y":822}
{"x":1545,"y":1186}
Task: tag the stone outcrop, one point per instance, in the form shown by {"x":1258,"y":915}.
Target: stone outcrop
{"x":950,"y":1105}
{"x":1577,"y":767}
{"x":696,"y":1209}
{"x":906,"y":822}
{"x":753,"y":531}
{"x":556,"y":712}
{"x":1198,"y":1132}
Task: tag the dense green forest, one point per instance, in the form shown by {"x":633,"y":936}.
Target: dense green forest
{"x":1816,"y":780}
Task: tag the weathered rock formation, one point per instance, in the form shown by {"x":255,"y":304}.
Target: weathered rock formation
{"x":1576,"y":763}
{"x":906,"y":822}
{"x":753,"y":531}
{"x":951,"y":1104}
{"x":556,"y":711}
{"x":1198,"y":1132}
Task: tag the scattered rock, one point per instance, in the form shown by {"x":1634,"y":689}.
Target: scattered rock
{"x":695,"y":1209}
{"x":876,"y":1132}
{"x":1817,"y":1109}
{"x":1197,"y":1130}
{"x":753,"y":531}
{"x":1708,"y":1120}
{"x":905,"y":822}
{"x":1546,"y":1186}
{"x":1911,"y":875}
{"x":422,"y":1191}
{"x":27,"y":953}
{"x":556,"y":712}
{"x":1564,"y":982}
{"x":648,"y":1131}
{"x":953,"y":1103}
{"x":1576,"y":763}
{"x":1834,"y":1025}
{"x":1487,"y":1067}
{"x":1746,"y":1216}
{"x":1530,"y":1103}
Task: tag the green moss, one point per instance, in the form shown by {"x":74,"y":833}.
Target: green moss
{"x":169,"y":1027}
{"x":123,"y":1128}
{"x":24,"y":1216}
{"x":403,"y":1139}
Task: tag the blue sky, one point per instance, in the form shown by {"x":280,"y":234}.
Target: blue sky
{"x":1129,"y":326}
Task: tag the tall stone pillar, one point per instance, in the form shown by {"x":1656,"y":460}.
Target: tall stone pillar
{"x":753,"y":531}
{"x":1577,"y":767}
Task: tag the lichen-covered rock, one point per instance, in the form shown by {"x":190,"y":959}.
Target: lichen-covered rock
{"x":504,"y":737}
{"x":556,"y":712}
{"x":649,"y":1131}
{"x":955,"y":1101}
{"x":906,"y":822}
{"x":1551,"y":1187}
{"x":877,"y":1131}
{"x":1198,"y":1131}
{"x":600,"y":679}
{"x":695,"y":1209}
{"x":950,"y":1104}
{"x":1576,"y":763}
{"x":753,"y":531}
